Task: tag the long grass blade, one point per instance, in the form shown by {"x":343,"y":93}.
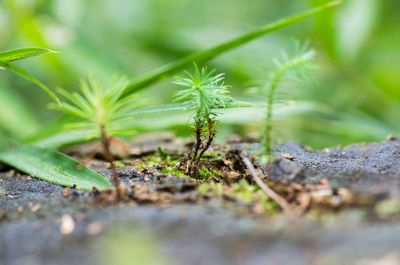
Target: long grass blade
{"x":202,"y":56}
{"x":19,"y":54}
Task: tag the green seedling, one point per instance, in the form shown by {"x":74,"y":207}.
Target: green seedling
{"x":204,"y":93}
{"x":19,"y":54}
{"x":102,"y":111}
{"x":288,"y":70}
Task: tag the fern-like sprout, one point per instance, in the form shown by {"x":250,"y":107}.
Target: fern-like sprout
{"x":292,"y":67}
{"x":204,"y":93}
{"x":100,"y":109}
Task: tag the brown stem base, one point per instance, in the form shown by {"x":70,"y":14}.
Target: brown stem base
{"x":106,"y":140}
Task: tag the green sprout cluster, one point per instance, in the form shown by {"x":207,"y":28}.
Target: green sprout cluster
{"x":205,"y":93}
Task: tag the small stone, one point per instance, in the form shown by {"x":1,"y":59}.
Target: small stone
{"x":67,"y":224}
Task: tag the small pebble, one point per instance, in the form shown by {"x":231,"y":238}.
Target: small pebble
{"x":67,"y":224}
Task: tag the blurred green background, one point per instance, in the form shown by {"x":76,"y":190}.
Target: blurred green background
{"x":355,"y":92}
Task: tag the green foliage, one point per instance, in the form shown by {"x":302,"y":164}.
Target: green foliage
{"x":202,"y":56}
{"x":19,"y":54}
{"x":217,"y":188}
{"x":163,"y":154}
{"x":102,"y":111}
{"x":205,"y":93}
{"x":292,"y":67}
{"x":54,"y":167}
{"x":242,"y":191}
{"x":170,"y":170}
{"x":388,"y":207}
{"x":205,"y":174}
{"x":83,"y":57}
{"x":169,"y":70}
{"x":251,"y":194}
{"x":24,"y":53}
{"x":99,"y":107}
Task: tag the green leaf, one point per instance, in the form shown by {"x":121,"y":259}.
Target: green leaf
{"x":20,"y":54}
{"x":202,"y":56}
{"x":26,"y":75}
{"x":54,"y":167}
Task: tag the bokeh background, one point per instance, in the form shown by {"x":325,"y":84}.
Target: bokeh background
{"x":354,"y":95}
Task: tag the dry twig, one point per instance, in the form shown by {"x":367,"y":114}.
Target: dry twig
{"x":272,"y":194}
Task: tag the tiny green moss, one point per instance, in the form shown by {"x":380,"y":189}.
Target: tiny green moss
{"x":205,"y":174}
{"x":178,"y":173}
{"x":217,"y":188}
{"x":163,"y":154}
{"x":119,"y":164}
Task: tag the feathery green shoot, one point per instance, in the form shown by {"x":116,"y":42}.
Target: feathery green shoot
{"x":292,"y":67}
{"x":102,"y":110}
{"x":204,"y":93}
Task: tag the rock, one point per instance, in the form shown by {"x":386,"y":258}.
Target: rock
{"x":287,"y":169}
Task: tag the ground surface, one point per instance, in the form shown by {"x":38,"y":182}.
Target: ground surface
{"x":168,"y":221}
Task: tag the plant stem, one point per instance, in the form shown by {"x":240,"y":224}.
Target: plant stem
{"x":211,"y":135}
{"x":196,"y":149}
{"x":105,"y":139}
{"x":268,"y":124}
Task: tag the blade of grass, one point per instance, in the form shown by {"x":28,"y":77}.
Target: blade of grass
{"x":199,"y":57}
{"x":54,"y":167}
{"x":26,"y":75}
{"x":19,"y":54}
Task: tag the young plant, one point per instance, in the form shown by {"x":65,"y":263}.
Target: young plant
{"x":291,"y":68}
{"x":204,"y":93}
{"x":102,"y":110}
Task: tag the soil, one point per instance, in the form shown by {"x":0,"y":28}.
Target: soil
{"x":346,"y":203}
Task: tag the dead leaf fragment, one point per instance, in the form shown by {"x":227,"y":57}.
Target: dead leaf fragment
{"x":287,"y":156}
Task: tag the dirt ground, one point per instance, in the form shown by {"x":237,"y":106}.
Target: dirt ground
{"x":348,"y":200}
